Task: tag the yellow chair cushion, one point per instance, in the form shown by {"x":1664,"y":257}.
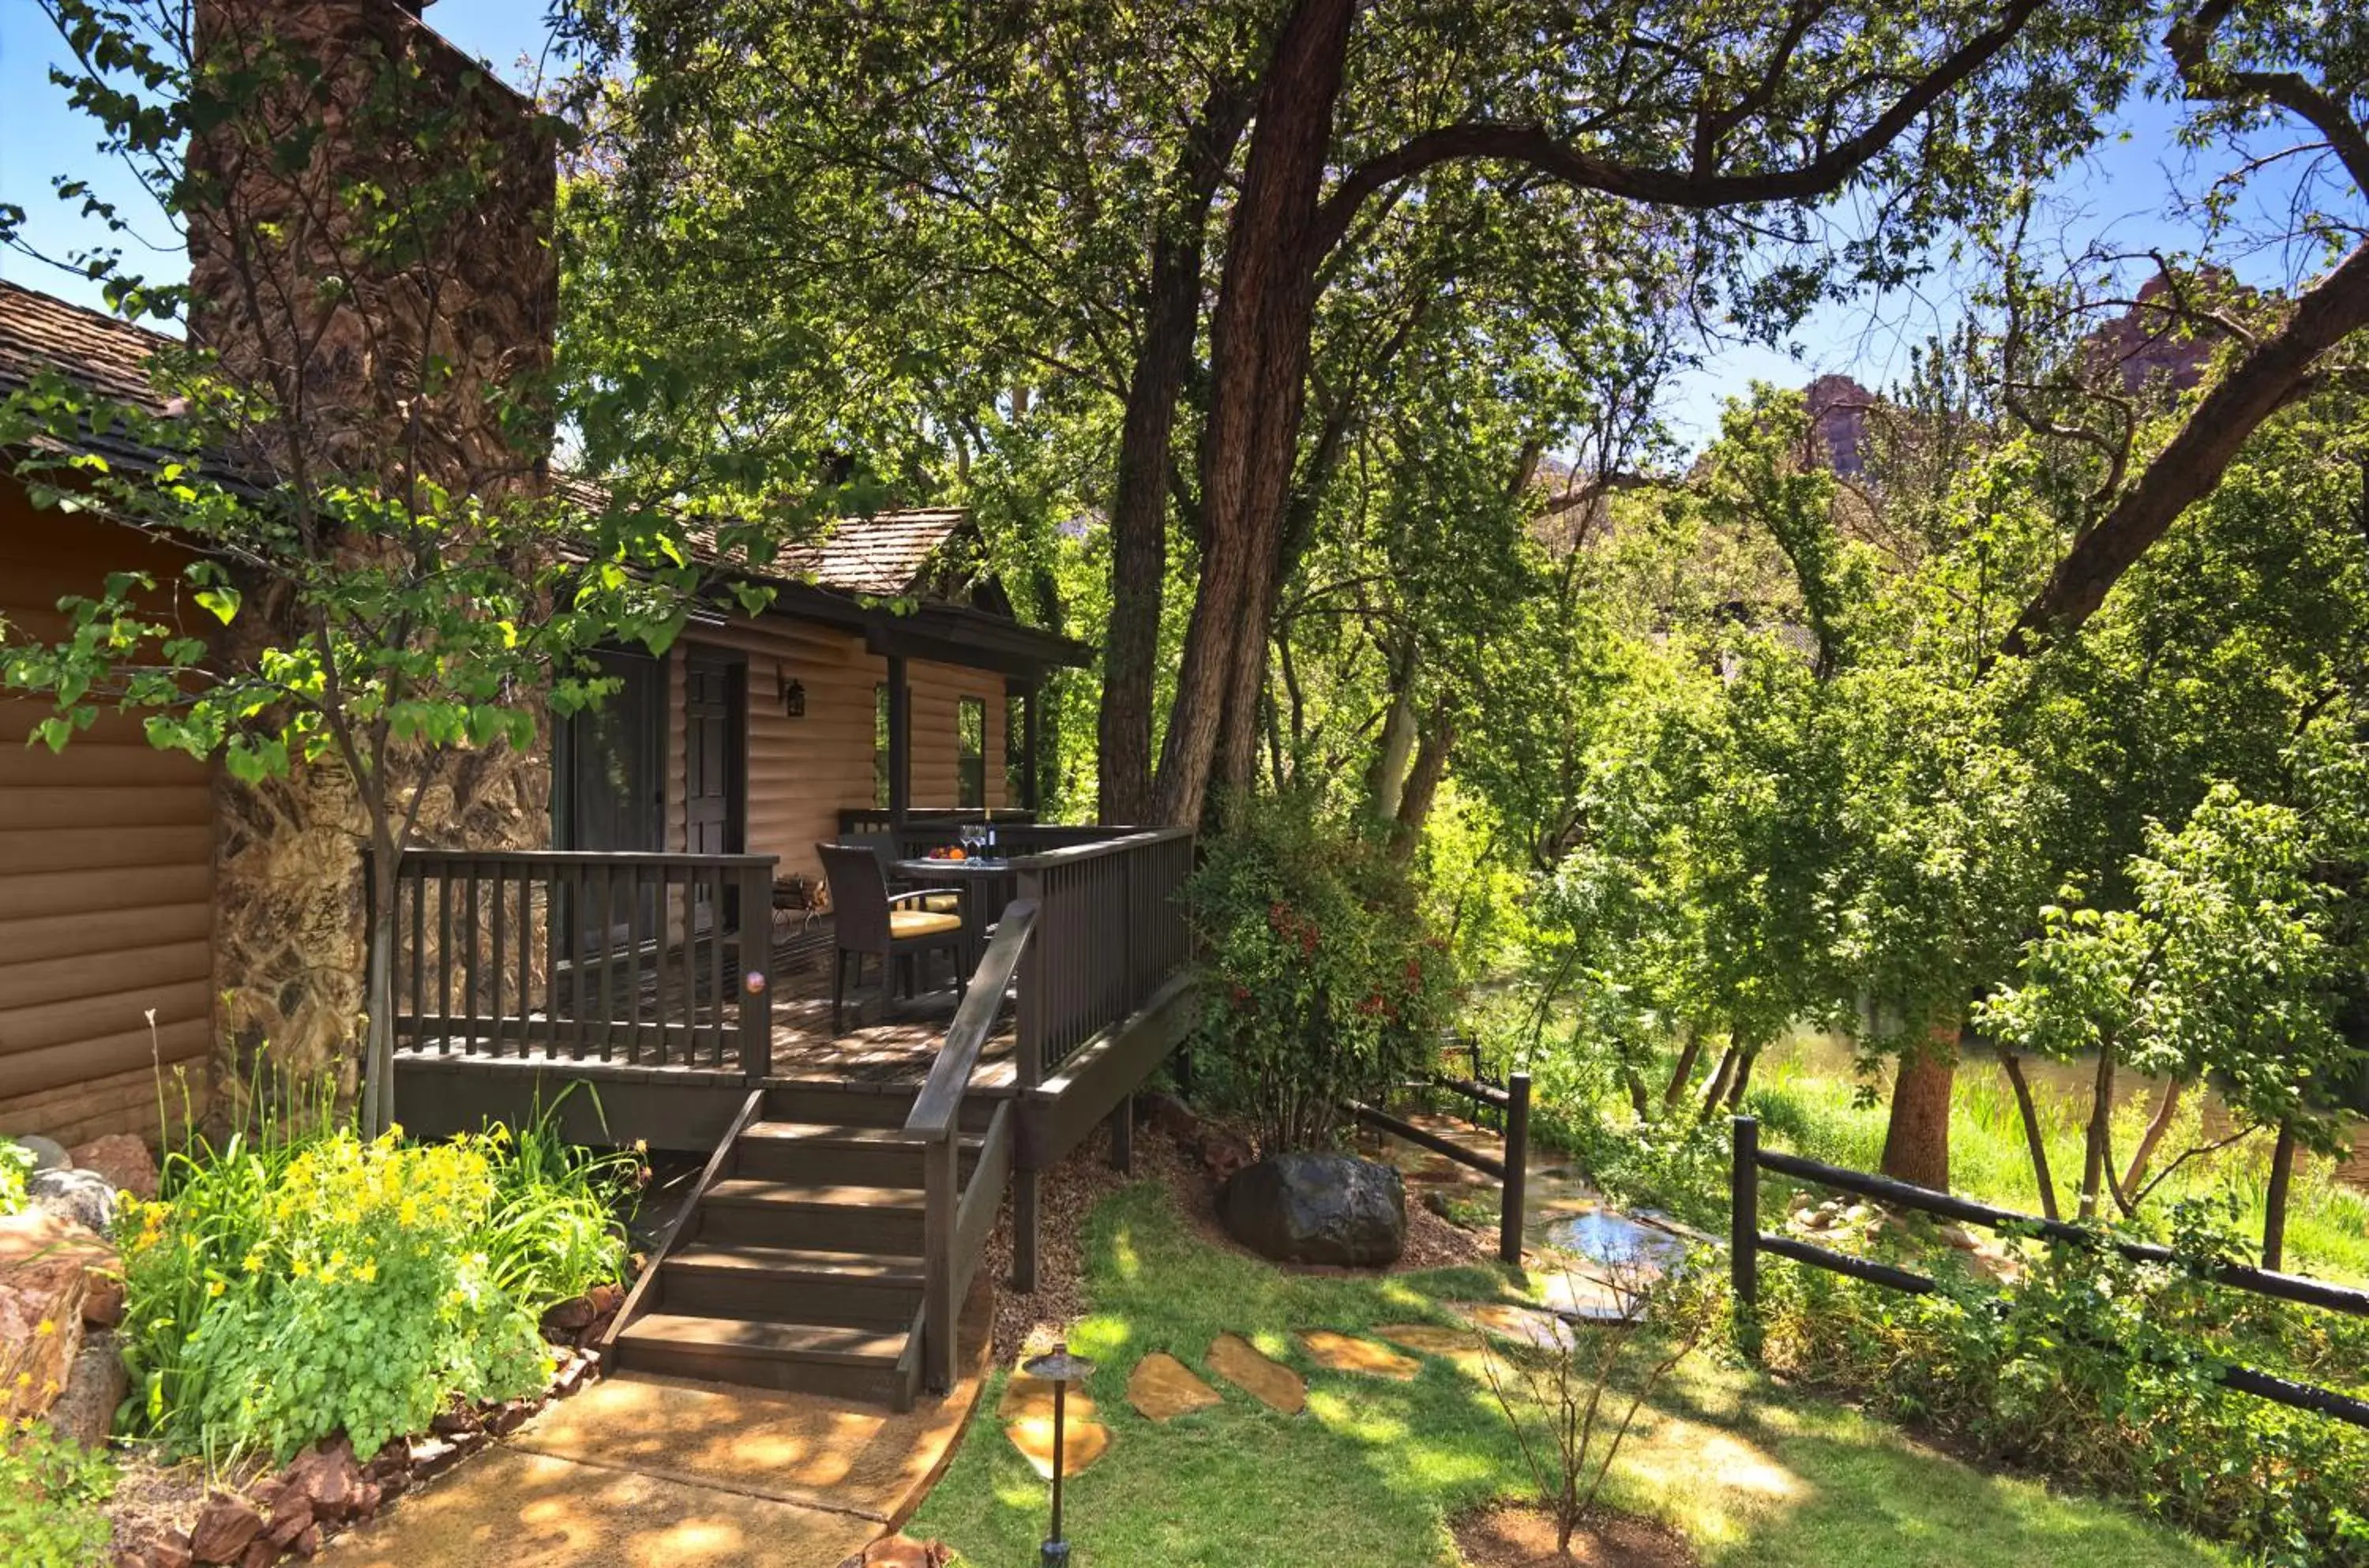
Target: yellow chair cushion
{"x":904,"y":923}
{"x":944,"y":903}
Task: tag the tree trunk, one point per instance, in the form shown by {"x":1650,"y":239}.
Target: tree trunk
{"x":1683,"y":1073}
{"x":1386,"y":780}
{"x":2033,"y":1138}
{"x":1140,"y":498}
{"x":1259,"y":339}
{"x":1916,"y":1142}
{"x":2274,"y":1202}
{"x":2101,"y":1124}
{"x":1719,"y":1075}
{"x":1423,"y":782}
{"x":1743,"y":1080}
{"x":2149,"y":1141}
{"x":376,"y":1111}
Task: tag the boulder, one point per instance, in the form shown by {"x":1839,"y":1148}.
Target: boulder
{"x":95,"y":1386}
{"x":169,"y":1551}
{"x":898,"y":1552}
{"x":1320,"y":1208}
{"x":328,"y":1479}
{"x":123,"y":1160}
{"x":1221,"y":1152}
{"x":48,"y":1154}
{"x":84,"y":1196}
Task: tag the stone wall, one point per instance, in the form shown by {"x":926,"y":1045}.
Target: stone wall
{"x":339,"y":338}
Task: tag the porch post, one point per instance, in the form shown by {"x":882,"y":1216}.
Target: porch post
{"x":900,"y":742}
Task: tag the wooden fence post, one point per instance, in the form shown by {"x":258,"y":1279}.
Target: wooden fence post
{"x":755,"y":898}
{"x":1518,"y":1169}
{"x":1744,"y":1233}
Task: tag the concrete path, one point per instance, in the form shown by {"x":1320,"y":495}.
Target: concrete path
{"x":649,"y":1473}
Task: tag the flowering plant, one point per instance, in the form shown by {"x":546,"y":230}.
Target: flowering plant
{"x":1327,"y":986}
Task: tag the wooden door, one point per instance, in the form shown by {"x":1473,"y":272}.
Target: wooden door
{"x":714,"y":749}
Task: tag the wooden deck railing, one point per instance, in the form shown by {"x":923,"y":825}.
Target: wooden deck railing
{"x":1111,"y":931}
{"x":880,"y":820}
{"x":582,"y":955}
{"x":955,"y":1220}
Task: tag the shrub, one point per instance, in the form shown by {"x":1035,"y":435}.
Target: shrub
{"x":1327,"y":986}
{"x":284,"y":1290}
{"x":51,"y":1491}
{"x":2104,"y":1372}
{"x":15,"y":1164}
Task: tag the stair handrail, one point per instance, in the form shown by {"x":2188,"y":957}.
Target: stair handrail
{"x":934,"y":1122}
{"x":719,"y":1162}
{"x":938,"y":1108}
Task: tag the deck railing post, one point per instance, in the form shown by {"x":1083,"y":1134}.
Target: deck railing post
{"x":1517,"y":1166}
{"x":1744,"y":1233}
{"x":941,"y":1178}
{"x":756,"y":900}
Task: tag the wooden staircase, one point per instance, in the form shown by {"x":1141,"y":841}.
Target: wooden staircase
{"x":802,"y":1259}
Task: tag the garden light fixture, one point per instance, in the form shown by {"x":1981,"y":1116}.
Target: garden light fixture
{"x":1060,"y":1369}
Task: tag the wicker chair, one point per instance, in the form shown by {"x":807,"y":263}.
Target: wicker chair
{"x":940,"y":899}
{"x":870,"y":922}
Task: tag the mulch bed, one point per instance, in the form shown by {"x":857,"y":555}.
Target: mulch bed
{"x":1510,"y":1535}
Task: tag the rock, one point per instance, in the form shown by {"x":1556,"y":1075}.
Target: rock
{"x":227,"y":1527}
{"x":102,"y":1298}
{"x":43,"y":1280}
{"x":454,"y":1421}
{"x":1162,"y":1388}
{"x":95,"y":1386}
{"x":430,"y":1456}
{"x":291,"y":1516}
{"x":1221,"y":1152}
{"x":1436,"y":1202}
{"x":1319,"y":1208}
{"x":605,"y":1299}
{"x":1525,"y":1324}
{"x":261,"y":1552}
{"x":123,"y":1160}
{"x":1082,"y":1443}
{"x":1958,"y":1236}
{"x":1031,"y":1399}
{"x":564,"y":1317}
{"x":1345,"y":1352}
{"x":1857,"y":1214}
{"x":82,"y":1196}
{"x":48,"y":1153}
{"x":329,"y":1481}
{"x":1800,"y":1203}
{"x":1461,"y":1347}
{"x":169,"y":1551}
{"x":1271,"y":1383}
{"x":573,"y":1372}
{"x":308,"y":1545}
{"x":898,"y":1552}
{"x":508,"y":1416}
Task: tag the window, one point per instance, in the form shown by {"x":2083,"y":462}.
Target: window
{"x":880,"y":745}
{"x":971,"y":752}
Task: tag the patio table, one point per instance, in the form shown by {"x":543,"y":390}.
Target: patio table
{"x":984,"y":884}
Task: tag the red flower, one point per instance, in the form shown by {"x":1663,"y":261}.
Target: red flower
{"x":1239,"y":996}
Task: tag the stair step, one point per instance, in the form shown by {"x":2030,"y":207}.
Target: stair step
{"x":778,"y":1342}
{"x":812,"y":1216}
{"x":797,"y":1262}
{"x":805,"y":1151}
{"x":844,"y":1363}
{"x":832,"y":1104}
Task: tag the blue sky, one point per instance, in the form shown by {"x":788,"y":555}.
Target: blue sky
{"x":2127,"y":192}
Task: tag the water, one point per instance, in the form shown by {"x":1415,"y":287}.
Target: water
{"x":1615,"y":1241}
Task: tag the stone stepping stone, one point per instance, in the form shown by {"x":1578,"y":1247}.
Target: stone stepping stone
{"x":1341,"y":1353}
{"x":1082,"y":1443}
{"x":1529,"y":1325}
{"x":1457,"y":1345}
{"x":1270,"y":1382}
{"x":1031,"y":1399}
{"x":1162,"y":1388}
{"x":1591,"y":1299}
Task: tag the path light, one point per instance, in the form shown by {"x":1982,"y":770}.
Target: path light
{"x":1060,"y":1369}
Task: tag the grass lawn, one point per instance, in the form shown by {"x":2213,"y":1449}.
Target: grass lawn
{"x":1368,"y":1475}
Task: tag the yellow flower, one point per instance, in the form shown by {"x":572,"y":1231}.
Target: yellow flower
{"x":215,"y":1288}
{"x":301,"y":1269}
{"x":255,"y":1263}
{"x":45,"y":1328}
{"x":394,"y":1131}
{"x":368,"y":1273}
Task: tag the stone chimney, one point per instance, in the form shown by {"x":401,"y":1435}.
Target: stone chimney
{"x":296,"y":300}
{"x":289,"y":291}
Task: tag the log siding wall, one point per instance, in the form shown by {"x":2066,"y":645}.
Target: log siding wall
{"x":107,"y":888}
{"x":802,"y":770}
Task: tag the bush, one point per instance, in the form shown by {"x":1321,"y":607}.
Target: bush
{"x":51,"y":1492}
{"x":1327,"y":985}
{"x":15,"y":1164}
{"x":2104,"y":1372}
{"x":284,"y":1291}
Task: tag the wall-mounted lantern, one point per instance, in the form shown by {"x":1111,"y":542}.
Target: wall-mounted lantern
{"x":792,"y":693}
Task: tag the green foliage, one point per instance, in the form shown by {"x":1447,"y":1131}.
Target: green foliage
{"x":2104,"y":1372}
{"x":51,"y":1496}
{"x":285,"y":1290}
{"x":1326,"y":985}
{"x":15,"y":1164}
